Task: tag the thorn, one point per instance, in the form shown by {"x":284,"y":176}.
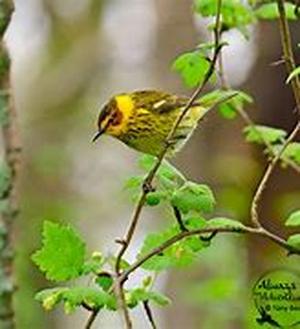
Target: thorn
{"x":180,"y":222}
{"x":121,"y":242}
{"x":208,"y":238}
{"x":279,"y":62}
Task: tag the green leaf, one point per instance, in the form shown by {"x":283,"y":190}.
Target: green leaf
{"x":94,"y":298}
{"x":192,"y":196}
{"x":124,"y":265}
{"x":75,"y":297}
{"x":270,"y":11}
{"x":180,"y":254}
{"x":134,"y":182}
{"x":259,"y":134}
{"x":93,"y":265}
{"x":227,"y":108}
{"x":62,"y":254}
{"x":5,"y":177}
{"x":154,"y":198}
{"x":166,"y":170}
{"x":234,"y":14}
{"x":192,"y":67}
{"x":50,"y":297}
{"x":141,"y":295}
{"x":293,"y":219}
{"x":105,"y":281}
{"x":225,"y":223}
{"x":294,"y":241}
{"x":293,"y":74}
{"x":292,"y":152}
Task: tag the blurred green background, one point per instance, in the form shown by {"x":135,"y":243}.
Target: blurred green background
{"x":68,"y":58}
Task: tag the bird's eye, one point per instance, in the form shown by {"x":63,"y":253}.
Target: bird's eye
{"x":116,"y":118}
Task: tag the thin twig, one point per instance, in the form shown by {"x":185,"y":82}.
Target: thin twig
{"x":91,"y":319}
{"x":267,"y":174}
{"x":290,"y":64}
{"x":149,"y":314}
{"x":182,"y":235}
{"x":288,"y":50}
{"x":148,"y":181}
{"x":245,"y":116}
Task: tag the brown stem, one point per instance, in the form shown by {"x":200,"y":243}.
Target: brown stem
{"x":267,"y":174}
{"x":288,"y":50}
{"x":149,"y":314}
{"x":290,"y":64}
{"x":91,"y":319}
{"x":182,"y":235}
{"x":245,"y":116}
{"x":151,"y":174}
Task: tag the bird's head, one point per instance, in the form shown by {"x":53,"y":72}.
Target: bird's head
{"x":113,"y":116}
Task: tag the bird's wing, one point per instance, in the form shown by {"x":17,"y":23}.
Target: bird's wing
{"x":158,"y":102}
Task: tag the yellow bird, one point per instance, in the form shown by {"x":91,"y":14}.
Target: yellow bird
{"x":143,"y":120}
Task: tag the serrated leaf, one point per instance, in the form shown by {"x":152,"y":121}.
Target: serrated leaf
{"x":192,"y":67}
{"x":259,"y":134}
{"x":293,"y":219}
{"x":74,"y":297}
{"x":270,"y":11}
{"x":294,"y":241}
{"x":192,"y":196}
{"x":94,"y":298}
{"x":142,"y":295}
{"x":224,"y":223}
{"x":50,"y":297}
{"x":62,"y":254}
{"x":180,"y":254}
{"x":230,"y":101}
{"x":234,"y":14}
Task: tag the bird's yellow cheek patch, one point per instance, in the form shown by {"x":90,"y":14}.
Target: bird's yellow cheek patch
{"x":125,"y":105}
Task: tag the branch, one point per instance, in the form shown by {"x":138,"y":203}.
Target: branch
{"x":182,"y":235}
{"x":290,"y":64}
{"x":288,"y":50}
{"x":245,"y":116}
{"x":149,"y":314}
{"x":149,"y":178}
{"x":267,"y":174}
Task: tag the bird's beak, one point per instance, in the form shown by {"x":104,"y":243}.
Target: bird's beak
{"x":98,"y":134}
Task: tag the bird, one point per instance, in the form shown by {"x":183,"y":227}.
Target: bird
{"x":143,"y":120}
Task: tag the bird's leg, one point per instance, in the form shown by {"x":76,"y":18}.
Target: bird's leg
{"x":178,"y":217}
